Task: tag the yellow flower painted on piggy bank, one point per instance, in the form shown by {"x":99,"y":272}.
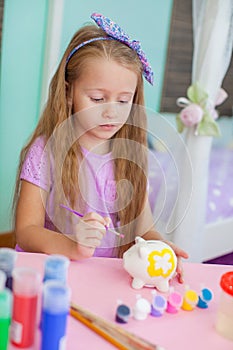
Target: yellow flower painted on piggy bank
{"x":161,"y":263}
{"x":150,"y":263}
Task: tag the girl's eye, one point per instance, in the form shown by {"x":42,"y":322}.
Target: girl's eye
{"x":97,"y":99}
{"x":123,"y":101}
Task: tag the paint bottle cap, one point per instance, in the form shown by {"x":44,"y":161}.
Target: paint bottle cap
{"x":56,"y":268}
{"x":207,"y":294}
{"x":123,"y":313}
{"x":7,"y":260}
{"x":175,"y":299}
{"x":5,"y":303}
{"x":226,"y":282}
{"x":191,"y":297}
{"x":158,"y":305}
{"x":56,"y":297}
{"x":2,"y":280}
{"x":190,"y":300}
{"x":141,"y":309}
{"x":26,"y":281}
{"x":159,"y":302}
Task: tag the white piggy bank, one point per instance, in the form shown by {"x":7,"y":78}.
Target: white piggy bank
{"x":150,"y":263}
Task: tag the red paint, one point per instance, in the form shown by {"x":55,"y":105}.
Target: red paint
{"x":24,"y":320}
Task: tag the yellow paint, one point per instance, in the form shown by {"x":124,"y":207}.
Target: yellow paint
{"x":155,"y":270}
{"x":190,"y":300}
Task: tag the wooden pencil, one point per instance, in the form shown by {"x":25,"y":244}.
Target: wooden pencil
{"x":114,"y":334}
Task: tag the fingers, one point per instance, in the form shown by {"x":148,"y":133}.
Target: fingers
{"x":178,"y":251}
{"x":96,"y":218}
{"x":180,"y":271}
{"x":91,"y":229}
{"x":108,"y":221}
{"x":90,"y":234}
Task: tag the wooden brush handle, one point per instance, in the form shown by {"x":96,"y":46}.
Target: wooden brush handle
{"x":124,"y":338}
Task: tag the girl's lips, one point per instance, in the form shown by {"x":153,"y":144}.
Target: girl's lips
{"x":108,"y":126}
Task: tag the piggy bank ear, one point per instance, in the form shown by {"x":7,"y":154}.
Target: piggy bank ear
{"x":142,"y":252}
{"x":139,"y":239}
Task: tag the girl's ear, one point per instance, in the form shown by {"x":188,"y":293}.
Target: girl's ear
{"x":69,"y":103}
{"x":67,"y":85}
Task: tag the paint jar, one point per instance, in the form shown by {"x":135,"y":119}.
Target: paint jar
{"x":26,"y":288}
{"x":174,"y":302}
{"x":56,"y":268}
{"x":158,"y":305}
{"x":141,"y":309}
{"x":190,"y":300}
{"x":5,"y":317}
{"x":55,"y":310}
{"x":224,"y":320}
{"x":204,"y":298}
{"x":2,"y":280}
{"x":8,"y":257}
{"x":123,"y":313}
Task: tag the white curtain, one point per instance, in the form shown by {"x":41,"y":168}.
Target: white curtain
{"x":212,"y":38}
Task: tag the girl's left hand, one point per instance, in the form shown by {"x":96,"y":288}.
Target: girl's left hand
{"x":180,"y":254}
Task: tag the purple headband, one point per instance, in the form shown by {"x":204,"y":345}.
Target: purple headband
{"x":116,"y":33}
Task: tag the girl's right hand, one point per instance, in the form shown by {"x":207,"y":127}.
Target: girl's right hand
{"x":90,"y":231}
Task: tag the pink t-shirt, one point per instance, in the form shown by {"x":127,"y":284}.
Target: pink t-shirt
{"x":99,"y":191}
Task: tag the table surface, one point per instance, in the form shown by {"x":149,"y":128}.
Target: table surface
{"x":98,"y":283}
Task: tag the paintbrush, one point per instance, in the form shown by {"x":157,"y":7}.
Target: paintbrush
{"x":116,"y":335}
{"x":81,"y":215}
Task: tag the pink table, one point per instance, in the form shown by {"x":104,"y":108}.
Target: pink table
{"x":98,"y":283}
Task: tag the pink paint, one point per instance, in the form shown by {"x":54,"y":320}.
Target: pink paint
{"x":174,"y":302}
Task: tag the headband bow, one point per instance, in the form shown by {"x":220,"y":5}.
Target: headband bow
{"x":114,"y":31}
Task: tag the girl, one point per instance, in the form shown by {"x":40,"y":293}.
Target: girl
{"x":88,"y":151}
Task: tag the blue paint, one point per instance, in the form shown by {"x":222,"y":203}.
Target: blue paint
{"x":122,"y":313}
{"x":207,"y":294}
{"x":53,"y":328}
{"x":7,"y":262}
{"x":9,"y":282}
{"x":56,"y":268}
{"x":204,"y":299}
{"x":55,"y":309}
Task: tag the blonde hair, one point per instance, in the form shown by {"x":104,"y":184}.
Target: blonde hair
{"x":59,"y":108}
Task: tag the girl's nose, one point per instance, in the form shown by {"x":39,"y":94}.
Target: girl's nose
{"x":109,"y":110}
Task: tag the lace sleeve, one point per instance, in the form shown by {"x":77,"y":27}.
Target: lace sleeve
{"x":35,"y":166}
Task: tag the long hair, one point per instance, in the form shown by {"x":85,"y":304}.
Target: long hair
{"x":58,"y":109}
